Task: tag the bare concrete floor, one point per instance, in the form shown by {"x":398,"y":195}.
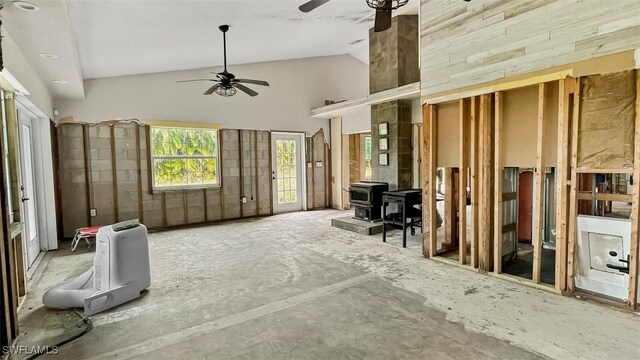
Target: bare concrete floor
{"x":293,"y":287}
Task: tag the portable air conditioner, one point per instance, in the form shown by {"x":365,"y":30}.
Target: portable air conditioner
{"x":120,"y":272}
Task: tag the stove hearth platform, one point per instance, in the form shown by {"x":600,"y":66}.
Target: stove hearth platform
{"x":358,"y":226}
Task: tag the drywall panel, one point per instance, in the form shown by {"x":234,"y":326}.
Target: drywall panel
{"x":470,"y":43}
{"x":448,"y":137}
{"x":520,"y":127}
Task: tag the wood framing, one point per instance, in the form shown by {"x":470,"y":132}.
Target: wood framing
{"x":485,"y":150}
{"x":573,"y":200}
{"x":462,"y":185}
{"x":114,"y":174}
{"x":87,"y":176}
{"x":538,"y":210}
{"x":561,"y":184}
{"x":449,"y":209}
{"x":635,"y":215}
{"x":497,"y":195}
{"x":429,"y":236}
{"x":473,"y":130}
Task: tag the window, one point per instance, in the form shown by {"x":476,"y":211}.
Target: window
{"x":367,"y":158}
{"x":184,"y":157}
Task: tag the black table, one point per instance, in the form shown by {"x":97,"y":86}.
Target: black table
{"x":405,"y":199}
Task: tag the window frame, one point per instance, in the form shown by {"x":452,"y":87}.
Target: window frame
{"x":153,"y":157}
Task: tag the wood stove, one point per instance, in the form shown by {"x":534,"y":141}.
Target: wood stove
{"x":366,"y":197}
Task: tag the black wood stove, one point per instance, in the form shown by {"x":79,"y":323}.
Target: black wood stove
{"x":366,"y":196}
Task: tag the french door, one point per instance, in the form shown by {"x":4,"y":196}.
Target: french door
{"x":32,"y":237}
{"x":287,"y":173}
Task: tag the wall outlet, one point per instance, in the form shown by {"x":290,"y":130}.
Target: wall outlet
{"x":244,"y":199}
{"x":94,"y":212}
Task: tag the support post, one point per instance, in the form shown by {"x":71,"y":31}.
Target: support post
{"x":635,"y":216}
{"x":539,"y":190}
{"x":485,"y":249}
{"x":475,"y":195}
{"x":497,"y":194}
{"x":429,"y":237}
{"x":562,"y":176}
{"x":462,"y":186}
{"x":573,"y":200}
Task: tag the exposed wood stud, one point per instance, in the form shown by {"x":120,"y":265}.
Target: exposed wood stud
{"x":484,"y":245}
{"x":475,"y":214}
{"x":149,"y":164}
{"x":573,"y":202}
{"x":87,"y":171}
{"x":462,"y":177}
{"x":164,"y":209}
{"x":425,"y":181}
{"x":313,"y":172}
{"x":561,"y":186}
{"x":431,"y":176}
{"x":270,"y":176}
{"x":139,"y":176}
{"x":635,"y":207}
{"x":241,"y":177}
{"x":538,"y":210}
{"x":449,"y":209}
{"x":114,"y":172}
{"x":221,"y":169}
{"x":497,"y":196}
{"x":206,"y":204}
{"x":257,"y":172}
{"x":185,"y":203}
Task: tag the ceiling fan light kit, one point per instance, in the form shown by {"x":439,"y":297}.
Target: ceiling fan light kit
{"x":383,"y":10}
{"x":226,"y":84}
{"x":386,"y":4}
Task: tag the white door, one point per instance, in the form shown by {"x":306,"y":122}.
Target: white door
{"x":32,"y":238}
{"x":287,"y":151}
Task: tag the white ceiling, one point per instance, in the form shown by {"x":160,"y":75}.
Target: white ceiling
{"x":104,"y":38}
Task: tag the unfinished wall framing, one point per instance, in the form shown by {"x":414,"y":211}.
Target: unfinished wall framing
{"x":106,"y":167}
{"x":556,"y":128}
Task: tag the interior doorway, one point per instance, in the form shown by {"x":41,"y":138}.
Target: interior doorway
{"x":288,"y":172}
{"x":29,"y":197}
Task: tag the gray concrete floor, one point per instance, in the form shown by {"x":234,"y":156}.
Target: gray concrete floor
{"x":293,"y":287}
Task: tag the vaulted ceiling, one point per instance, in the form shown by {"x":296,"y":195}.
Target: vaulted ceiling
{"x":103,"y":38}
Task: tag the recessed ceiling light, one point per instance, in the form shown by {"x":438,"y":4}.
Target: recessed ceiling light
{"x":49,"y":56}
{"x":61,"y":82}
{"x":27,"y":6}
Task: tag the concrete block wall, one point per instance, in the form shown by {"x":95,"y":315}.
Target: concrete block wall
{"x":245,"y":166}
{"x":71,"y":175}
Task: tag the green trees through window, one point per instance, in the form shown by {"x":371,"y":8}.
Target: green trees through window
{"x":184,"y":157}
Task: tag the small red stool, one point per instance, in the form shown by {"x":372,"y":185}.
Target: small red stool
{"x":85,"y":233}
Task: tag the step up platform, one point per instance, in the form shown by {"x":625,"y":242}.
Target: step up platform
{"x":356,"y":225}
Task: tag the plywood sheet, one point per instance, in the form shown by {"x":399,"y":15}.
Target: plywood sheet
{"x":520,"y":127}
{"x":607,"y":121}
{"x":448,"y":139}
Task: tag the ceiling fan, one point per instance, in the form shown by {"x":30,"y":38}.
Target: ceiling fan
{"x":383,"y":10}
{"x":226,"y":84}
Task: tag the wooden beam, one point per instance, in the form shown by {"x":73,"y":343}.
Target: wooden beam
{"x":604,"y":171}
{"x":139,"y":175}
{"x":485,"y":245}
{"x":635,"y":210}
{"x":475,"y":213}
{"x":462,"y":177}
{"x":562,"y":175}
{"x":538,"y":209}
{"x":114,"y":174}
{"x":87,"y":171}
{"x":497,"y":175}
{"x":449,"y":209}
{"x":573,"y":200}
{"x":430,"y":236}
{"x":588,"y":195}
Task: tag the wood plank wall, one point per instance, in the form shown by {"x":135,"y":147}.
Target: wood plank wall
{"x":469,"y":43}
{"x":106,"y":167}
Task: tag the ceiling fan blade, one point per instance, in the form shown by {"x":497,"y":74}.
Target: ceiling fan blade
{"x":245,"y":89}
{"x":183,"y":81}
{"x":383,"y":20}
{"x":249,"y":81}
{"x":311,"y":5}
{"x":212,"y":89}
